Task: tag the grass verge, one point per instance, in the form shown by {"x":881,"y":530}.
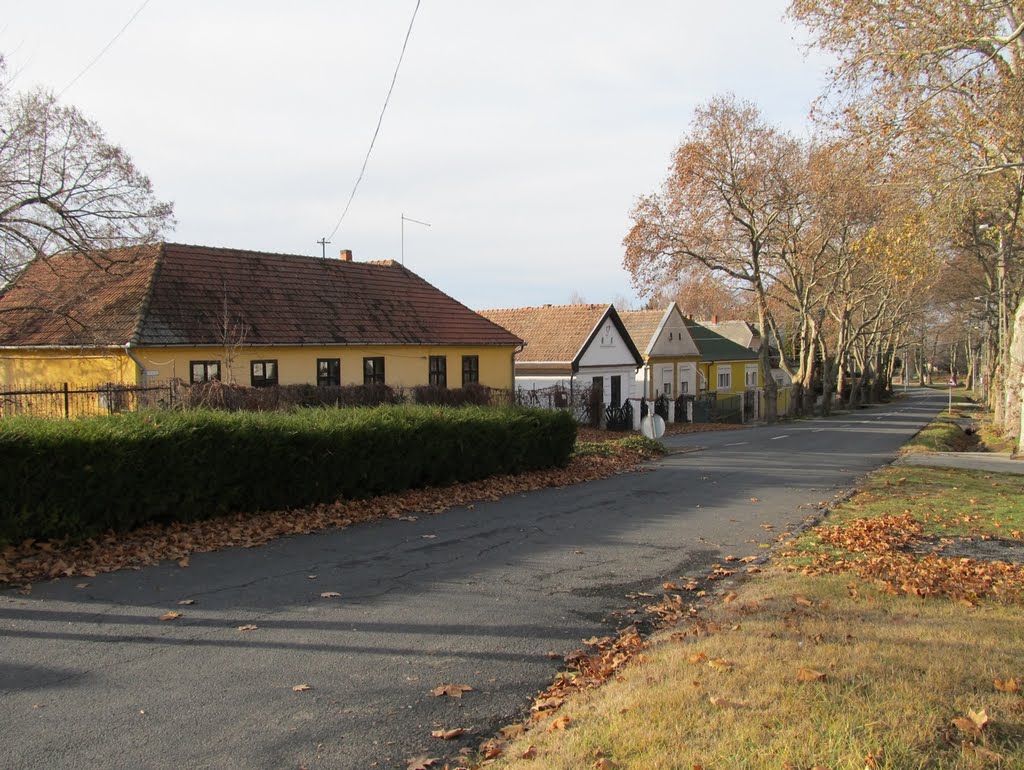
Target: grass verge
{"x":873,"y":642}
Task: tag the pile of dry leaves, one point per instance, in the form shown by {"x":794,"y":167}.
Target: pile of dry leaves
{"x":891,"y":551}
{"x":152,"y":544}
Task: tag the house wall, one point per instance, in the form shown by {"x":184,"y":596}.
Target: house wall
{"x":607,"y":349}
{"x":73,"y":366}
{"x":585,"y":379}
{"x":677,"y":370}
{"x":404,"y":365}
{"x":737,"y":370}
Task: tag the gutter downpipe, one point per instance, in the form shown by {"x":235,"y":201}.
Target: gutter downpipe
{"x":140,"y":379}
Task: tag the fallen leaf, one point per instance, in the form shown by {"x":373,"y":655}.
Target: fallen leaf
{"x":605,"y":764}
{"x":729,"y":597}
{"x":172,"y":615}
{"x":980,"y":718}
{"x":671,"y":587}
{"x":809,"y":675}
{"x":302,"y":687}
{"x":530,"y":753}
{"x":422,"y":763}
{"x":329,"y":595}
{"x":721,"y":702}
{"x":451,"y":690}
{"x":82,"y":585}
{"x":492,"y":748}
{"x":512,"y":731}
{"x":698,"y":657}
{"x":748,"y":559}
{"x":803,"y":600}
{"x":561,"y":723}
{"x":552,"y":655}
{"x":183,"y":562}
{"x":755,"y":499}
{"x":720,"y":664}
{"x":1006,"y":685}
{"x":248,"y":627}
{"x":447,"y":735}
{"x":187,"y":601}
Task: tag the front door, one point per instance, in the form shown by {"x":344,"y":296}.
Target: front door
{"x":616,"y":390}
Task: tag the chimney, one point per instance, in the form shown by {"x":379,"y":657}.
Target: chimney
{"x":345,"y":255}
{"x":714,"y":316}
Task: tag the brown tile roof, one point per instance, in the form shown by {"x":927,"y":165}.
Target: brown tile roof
{"x":555,"y":333}
{"x":642,"y":325}
{"x":70,"y":300}
{"x":174,"y":294}
{"x":551,"y":332}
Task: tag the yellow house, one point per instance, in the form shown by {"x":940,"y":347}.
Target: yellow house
{"x":670,"y":354}
{"x":171,"y":311}
{"x":725,"y":366}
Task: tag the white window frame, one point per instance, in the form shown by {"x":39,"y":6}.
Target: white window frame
{"x":750,"y":375}
{"x":726,"y":373}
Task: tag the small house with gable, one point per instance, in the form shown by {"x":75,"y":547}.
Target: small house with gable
{"x":572,"y":346}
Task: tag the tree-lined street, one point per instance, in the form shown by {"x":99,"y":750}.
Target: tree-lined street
{"x":92,"y":677}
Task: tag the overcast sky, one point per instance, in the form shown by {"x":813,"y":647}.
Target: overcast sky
{"x":522,"y":131}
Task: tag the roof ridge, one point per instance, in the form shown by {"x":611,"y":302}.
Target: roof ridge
{"x":147,"y":296}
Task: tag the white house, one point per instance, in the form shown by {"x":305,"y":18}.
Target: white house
{"x":573,"y":346}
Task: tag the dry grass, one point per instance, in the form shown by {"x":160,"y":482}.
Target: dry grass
{"x":812,"y":671}
{"x":896,"y":670}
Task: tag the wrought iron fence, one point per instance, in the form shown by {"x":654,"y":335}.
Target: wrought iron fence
{"x":66,"y":401}
{"x":584,"y":402}
{"x":619,"y":417}
{"x":684,"y":408}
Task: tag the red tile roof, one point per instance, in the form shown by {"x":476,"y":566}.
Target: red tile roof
{"x":173,"y":294}
{"x":557,"y":333}
{"x":552,"y":332}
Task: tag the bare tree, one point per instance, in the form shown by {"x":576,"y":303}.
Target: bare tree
{"x":64,"y":187}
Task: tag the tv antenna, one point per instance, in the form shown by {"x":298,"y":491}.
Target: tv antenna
{"x":415,"y":221}
{"x":323,"y":247}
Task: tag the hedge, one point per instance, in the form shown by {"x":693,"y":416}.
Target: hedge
{"x":81,"y":478}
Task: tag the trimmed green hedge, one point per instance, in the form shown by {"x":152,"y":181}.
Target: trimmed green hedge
{"x":81,"y":478}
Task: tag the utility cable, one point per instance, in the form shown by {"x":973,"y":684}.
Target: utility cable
{"x":105,"y":49}
{"x":379,"y":121}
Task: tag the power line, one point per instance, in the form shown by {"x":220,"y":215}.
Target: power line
{"x":379,"y":121}
{"x":105,"y":48}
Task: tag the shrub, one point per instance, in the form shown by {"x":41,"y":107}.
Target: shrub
{"x":83,"y":477}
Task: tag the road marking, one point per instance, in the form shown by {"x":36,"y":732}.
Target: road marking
{"x":738,"y":443}
{"x":776,"y":438}
{"x":817,"y":430}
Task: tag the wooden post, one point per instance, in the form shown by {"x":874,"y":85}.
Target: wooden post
{"x":67,"y":410}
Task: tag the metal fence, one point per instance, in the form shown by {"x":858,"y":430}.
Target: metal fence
{"x":66,"y":401}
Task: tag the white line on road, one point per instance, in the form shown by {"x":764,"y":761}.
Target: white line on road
{"x":817,"y":430}
{"x":738,"y":443}
{"x":776,"y":438}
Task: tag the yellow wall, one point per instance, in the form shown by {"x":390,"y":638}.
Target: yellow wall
{"x":653,"y":361}
{"x":738,"y":370}
{"x":73,"y":366}
{"x":404,"y":365}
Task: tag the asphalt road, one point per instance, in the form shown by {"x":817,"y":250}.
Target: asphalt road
{"x":91,"y":678}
